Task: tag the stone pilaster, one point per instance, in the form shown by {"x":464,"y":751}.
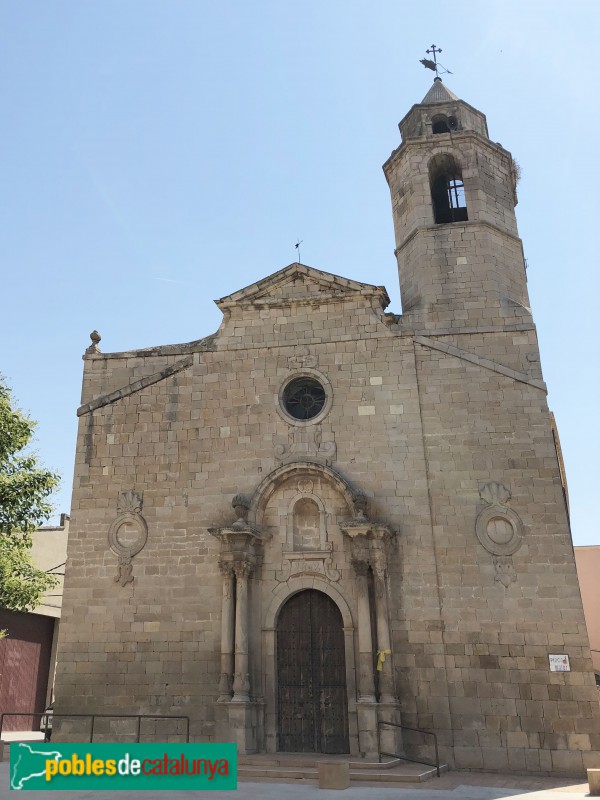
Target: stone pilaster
{"x":385,"y":666}
{"x":370,"y":544}
{"x":241,"y":680}
{"x":227,"y":640}
{"x":241,"y":552}
{"x":366,"y":681}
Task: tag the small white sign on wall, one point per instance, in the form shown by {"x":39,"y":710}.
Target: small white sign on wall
{"x":559,"y":663}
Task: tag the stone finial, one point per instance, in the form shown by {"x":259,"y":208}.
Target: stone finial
{"x":359,"y":501}
{"x":241,"y":506}
{"x":96,"y":338}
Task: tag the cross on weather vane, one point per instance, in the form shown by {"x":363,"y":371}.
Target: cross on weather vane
{"x":297,"y":246}
{"x":433,"y":65}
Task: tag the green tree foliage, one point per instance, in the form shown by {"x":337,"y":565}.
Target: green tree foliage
{"x":24,"y":490}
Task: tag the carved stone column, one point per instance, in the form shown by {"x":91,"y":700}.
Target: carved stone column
{"x":239,"y":718}
{"x":241,"y":680}
{"x":366,"y":681}
{"x":227,"y":641}
{"x":385,"y":667}
{"x":369,"y":543}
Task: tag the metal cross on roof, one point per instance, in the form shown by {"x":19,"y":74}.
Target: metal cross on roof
{"x":433,"y":65}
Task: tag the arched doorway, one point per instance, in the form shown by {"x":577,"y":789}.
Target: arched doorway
{"x":312,"y":704}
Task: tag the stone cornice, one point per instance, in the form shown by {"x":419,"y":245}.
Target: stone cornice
{"x":429,"y":145}
{"x":240,"y":546}
{"x":134,"y":387}
{"x":197,"y":346}
{"x":315,"y":300}
{"x":467,"y":225}
{"x":357,"y":528}
{"x":486,"y":363}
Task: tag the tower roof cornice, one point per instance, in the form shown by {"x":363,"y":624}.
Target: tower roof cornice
{"x":425,"y":145}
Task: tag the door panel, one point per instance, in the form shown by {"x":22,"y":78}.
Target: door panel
{"x":24,"y":666}
{"x":311,"y":671}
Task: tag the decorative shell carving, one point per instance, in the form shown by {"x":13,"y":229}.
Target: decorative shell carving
{"x":494,"y":493}
{"x":129,"y":503}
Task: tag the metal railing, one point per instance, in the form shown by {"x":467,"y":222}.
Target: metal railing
{"x":405,"y":758}
{"x":93,"y":718}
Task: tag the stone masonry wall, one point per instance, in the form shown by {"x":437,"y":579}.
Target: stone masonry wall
{"x":508,"y":710}
{"x":420,"y":430}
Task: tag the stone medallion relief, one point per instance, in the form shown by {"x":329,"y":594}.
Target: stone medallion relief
{"x":499,"y":530}
{"x":128,"y":534}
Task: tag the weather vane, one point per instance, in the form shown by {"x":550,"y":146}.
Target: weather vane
{"x":434,"y":65}
{"x":297,"y":246}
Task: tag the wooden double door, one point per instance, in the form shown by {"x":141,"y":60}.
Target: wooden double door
{"x":311,"y":676}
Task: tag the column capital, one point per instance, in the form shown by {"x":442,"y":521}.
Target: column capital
{"x":239,"y":543}
{"x":243,"y":568}
{"x":380,"y":545}
{"x":382,"y":532}
{"x":355,"y":529}
{"x":369,"y":541}
{"x":225,"y":568}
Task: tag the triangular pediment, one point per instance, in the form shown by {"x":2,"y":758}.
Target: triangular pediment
{"x":298,"y":283}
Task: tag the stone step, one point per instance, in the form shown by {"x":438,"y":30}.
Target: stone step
{"x":311,"y":760}
{"x":405,"y":773}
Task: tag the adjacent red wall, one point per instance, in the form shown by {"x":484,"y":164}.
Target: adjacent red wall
{"x":24,"y":666}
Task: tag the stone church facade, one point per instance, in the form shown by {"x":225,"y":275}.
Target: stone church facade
{"x":325,"y":516}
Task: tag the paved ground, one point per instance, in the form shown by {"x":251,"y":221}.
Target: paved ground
{"x":453,"y":786}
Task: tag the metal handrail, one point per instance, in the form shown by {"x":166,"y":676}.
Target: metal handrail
{"x":405,"y":758}
{"x":94,"y":717}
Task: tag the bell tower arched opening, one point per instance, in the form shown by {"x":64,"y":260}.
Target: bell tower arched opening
{"x":447,"y":190}
{"x":439,"y":124}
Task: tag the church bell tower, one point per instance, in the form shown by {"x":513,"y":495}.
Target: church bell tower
{"x":453,"y":196}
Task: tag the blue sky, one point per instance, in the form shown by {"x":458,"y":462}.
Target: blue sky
{"x":158,"y":154}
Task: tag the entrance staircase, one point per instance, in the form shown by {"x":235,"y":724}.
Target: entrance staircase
{"x":304,"y":767}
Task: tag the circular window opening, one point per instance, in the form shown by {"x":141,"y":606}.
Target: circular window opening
{"x":304,"y":398}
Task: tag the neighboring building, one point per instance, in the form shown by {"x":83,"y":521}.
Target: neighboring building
{"x":399,"y":546}
{"x":588,"y":569}
{"x":28,"y":653}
